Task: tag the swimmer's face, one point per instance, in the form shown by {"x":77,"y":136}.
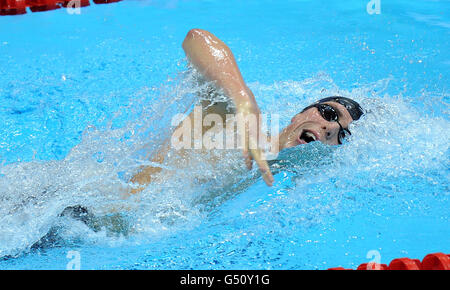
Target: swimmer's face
{"x":310,"y":125}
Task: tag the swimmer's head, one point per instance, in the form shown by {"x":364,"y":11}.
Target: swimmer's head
{"x":326,"y":120}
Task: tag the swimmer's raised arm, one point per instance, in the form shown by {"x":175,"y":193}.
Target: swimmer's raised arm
{"x":215,"y":61}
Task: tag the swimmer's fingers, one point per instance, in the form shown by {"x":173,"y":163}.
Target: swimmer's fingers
{"x":258,"y":156}
{"x":251,"y":151}
{"x":243,"y":135}
{"x":248,"y":160}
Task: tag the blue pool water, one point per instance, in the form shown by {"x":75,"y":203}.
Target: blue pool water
{"x":81,"y":95}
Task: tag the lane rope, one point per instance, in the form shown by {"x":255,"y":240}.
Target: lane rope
{"x":18,"y":7}
{"x":435,"y":261}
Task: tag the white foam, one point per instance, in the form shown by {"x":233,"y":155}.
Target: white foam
{"x":394,"y":137}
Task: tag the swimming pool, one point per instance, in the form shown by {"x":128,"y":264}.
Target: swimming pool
{"x":82,"y":94}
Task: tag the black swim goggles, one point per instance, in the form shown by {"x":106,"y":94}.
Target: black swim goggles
{"x":331,"y":115}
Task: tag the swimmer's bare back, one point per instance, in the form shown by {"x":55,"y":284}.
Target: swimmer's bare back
{"x":215,"y":61}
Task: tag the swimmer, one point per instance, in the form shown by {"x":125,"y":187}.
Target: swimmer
{"x":325,"y":121}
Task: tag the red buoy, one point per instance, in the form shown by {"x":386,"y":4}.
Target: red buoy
{"x":372,"y":266}
{"x":42,"y":5}
{"x":405,"y":264}
{"x":15,"y":7}
{"x":12,"y":7}
{"x":436,"y":261}
{"x":77,"y":3}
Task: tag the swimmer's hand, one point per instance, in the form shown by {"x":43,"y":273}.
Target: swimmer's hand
{"x":249,"y":128}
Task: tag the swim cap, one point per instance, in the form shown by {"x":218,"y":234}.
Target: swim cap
{"x":352,"y":107}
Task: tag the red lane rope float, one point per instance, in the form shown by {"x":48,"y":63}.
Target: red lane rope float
{"x":372,"y":266}
{"x":405,"y":264}
{"x":42,"y":5}
{"x":83,"y":3}
{"x":436,"y":261}
{"x":17,"y":7}
{"x":13,"y":7}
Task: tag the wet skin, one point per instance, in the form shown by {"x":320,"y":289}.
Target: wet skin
{"x":215,"y":62}
{"x":311,"y":121}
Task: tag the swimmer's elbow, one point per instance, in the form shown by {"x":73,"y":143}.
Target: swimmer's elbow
{"x":195,"y":31}
{"x":198,"y":38}
{"x":192,"y":36}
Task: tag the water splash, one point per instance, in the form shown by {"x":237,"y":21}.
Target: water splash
{"x":393,"y":146}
